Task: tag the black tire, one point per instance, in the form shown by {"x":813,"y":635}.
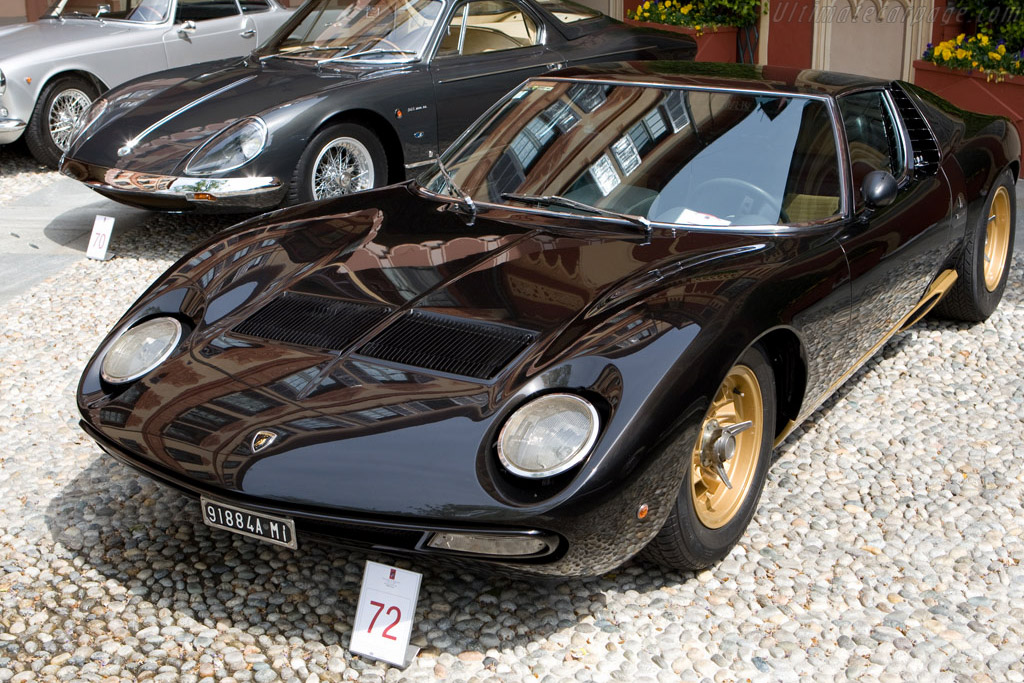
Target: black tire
{"x":38,"y":135}
{"x":972,"y":298}
{"x":302,"y":186}
{"x":686,"y":542}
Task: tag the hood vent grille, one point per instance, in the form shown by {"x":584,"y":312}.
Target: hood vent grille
{"x":312,"y":321}
{"x":926,"y":152}
{"x":446,"y":344}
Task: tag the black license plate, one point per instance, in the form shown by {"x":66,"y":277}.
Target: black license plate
{"x":279,"y":530}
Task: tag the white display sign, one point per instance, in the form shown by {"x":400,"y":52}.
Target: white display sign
{"x":387,"y":605}
{"x":99,"y":241}
{"x":604,"y":175}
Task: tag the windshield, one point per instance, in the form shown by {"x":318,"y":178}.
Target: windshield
{"x":340,"y":30}
{"x":669,"y":155}
{"x":138,"y":11}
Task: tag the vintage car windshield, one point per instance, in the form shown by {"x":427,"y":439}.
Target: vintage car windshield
{"x":139,"y":11}
{"x":667,"y":155}
{"x":344,"y":30}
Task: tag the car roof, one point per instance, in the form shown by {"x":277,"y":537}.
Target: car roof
{"x":780,"y":79}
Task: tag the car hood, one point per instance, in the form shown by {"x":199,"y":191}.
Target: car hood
{"x":389,"y":331}
{"x":188,"y":106}
{"x":50,"y":37}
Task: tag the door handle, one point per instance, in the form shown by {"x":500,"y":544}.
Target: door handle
{"x":248,"y":33}
{"x":556,"y":65}
{"x":186,"y":28}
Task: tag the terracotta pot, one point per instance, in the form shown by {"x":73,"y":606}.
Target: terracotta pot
{"x":974,"y":92}
{"x":715,"y":44}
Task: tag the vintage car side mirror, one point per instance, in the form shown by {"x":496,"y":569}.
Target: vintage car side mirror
{"x":102,"y":9}
{"x":878,"y":189}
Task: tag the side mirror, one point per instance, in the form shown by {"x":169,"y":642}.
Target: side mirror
{"x":102,"y":9}
{"x":878,"y":189}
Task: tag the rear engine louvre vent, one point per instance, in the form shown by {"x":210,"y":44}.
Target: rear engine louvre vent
{"x":926,"y":152}
{"x":445,"y":344}
{"x":312,"y":321}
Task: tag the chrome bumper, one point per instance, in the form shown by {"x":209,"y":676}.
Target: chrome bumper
{"x":176,"y":193}
{"x":11,"y":130}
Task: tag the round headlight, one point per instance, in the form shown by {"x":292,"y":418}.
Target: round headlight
{"x":548,"y":435}
{"x":140,"y":349}
{"x":235,"y":146}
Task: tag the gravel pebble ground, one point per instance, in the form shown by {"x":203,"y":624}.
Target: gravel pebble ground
{"x":887,"y":545}
{"x":20,"y":174}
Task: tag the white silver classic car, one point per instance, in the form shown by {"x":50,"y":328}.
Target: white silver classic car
{"x":53,"y":68}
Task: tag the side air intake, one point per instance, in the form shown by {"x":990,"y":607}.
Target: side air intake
{"x":446,"y":344}
{"x":926,"y":151}
{"x":312,"y":321}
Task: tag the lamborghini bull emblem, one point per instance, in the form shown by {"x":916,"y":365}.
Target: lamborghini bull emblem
{"x":262,"y":439}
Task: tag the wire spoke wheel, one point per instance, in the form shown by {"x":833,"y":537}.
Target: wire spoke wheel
{"x":728,"y":449}
{"x":65,"y":110}
{"x":343,"y":166}
{"x":997,"y":238}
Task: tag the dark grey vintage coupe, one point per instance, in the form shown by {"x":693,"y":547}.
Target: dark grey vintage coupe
{"x":347,"y":96}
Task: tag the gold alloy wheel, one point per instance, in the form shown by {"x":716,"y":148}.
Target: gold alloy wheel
{"x":729,"y":444}
{"x":997,"y":238}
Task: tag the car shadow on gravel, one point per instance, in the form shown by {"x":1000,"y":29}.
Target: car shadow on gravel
{"x":151,"y":541}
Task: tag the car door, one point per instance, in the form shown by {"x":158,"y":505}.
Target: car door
{"x":487,"y":47}
{"x":208,"y":29}
{"x":264,"y":20}
{"x":895,"y":251}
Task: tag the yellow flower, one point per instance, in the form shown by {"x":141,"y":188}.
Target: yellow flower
{"x":974,"y":63}
{"x":647,"y":4}
{"x":962,"y":53}
{"x":983,"y":39}
{"x":995,"y":55}
{"x":1001,"y":49}
{"x":687,"y":8}
{"x":960,"y":39}
{"x":947,"y":55}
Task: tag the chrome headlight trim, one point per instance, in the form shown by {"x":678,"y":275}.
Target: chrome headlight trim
{"x":199,"y":163}
{"x":506,"y":456}
{"x":170,"y":343}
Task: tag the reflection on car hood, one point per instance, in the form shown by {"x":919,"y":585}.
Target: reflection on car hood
{"x":181,"y":117}
{"x":49,"y":38}
{"x":384,"y":259}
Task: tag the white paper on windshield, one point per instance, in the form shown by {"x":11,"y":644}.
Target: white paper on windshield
{"x":626,"y":154}
{"x":689,"y":217}
{"x":604,"y":175}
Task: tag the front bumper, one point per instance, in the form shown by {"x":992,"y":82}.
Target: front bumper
{"x":176,"y":193}
{"x":11,"y":130}
{"x":390,"y":536}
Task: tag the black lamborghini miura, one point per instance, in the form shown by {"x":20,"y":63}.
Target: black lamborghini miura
{"x":579,"y":334}
{"x":348,"y":95}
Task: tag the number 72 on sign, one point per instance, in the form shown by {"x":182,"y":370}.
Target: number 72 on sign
{"x":387,"y":604}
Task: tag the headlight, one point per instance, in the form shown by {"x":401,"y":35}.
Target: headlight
{"x":140,"y":349}
{"x":548,"y":435}
{"x":82,"y":124}
{"x":237,"y":144}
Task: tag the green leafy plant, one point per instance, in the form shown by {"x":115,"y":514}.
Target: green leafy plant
{"x":698,"y":14}
{"x":1002,"y":20}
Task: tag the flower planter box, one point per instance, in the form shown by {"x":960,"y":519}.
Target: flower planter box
{"x":974,"y":92}
{"x":715,"y":44}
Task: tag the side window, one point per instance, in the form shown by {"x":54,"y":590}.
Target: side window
{"x":872,"y":134}
{"x":201,"y":10}
{"x":254,"y":6}
{"x":488,"y":26}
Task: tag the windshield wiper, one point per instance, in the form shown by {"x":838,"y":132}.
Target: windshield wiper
{"x":558,"y":200}
{"x":375,"y":51}
{"x":304,"y":50}
{"x":463,"y":195}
